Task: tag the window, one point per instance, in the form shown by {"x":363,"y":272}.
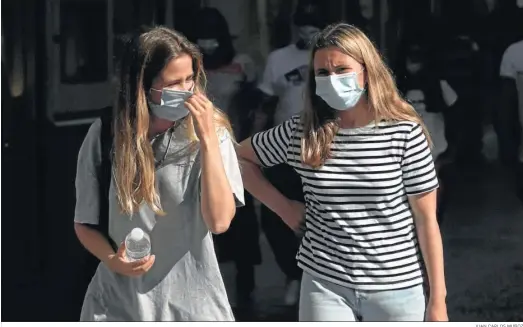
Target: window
{"x":83,"y":41}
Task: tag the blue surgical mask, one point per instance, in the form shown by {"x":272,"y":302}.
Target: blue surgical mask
{"x":172,"y":106}
{"x":341,"y":92}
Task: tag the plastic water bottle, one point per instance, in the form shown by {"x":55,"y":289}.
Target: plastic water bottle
{"x":137,"y":245}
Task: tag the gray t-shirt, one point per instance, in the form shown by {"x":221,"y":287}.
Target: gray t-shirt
{"x":184,"y":283}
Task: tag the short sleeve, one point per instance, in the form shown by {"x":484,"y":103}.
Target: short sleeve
{"x":268,"y":79}
{"x":507,"y":68}
{"x":419,"y":175}
{"x":89,"y":158}
{"x":232,"y":167}
{"x":271,"y":146}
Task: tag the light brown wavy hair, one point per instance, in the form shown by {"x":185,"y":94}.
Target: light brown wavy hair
{"x":319,"y":120}
{"x":146,"y":54}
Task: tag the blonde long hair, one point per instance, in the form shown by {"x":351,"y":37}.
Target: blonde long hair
{"x":145,"y":56}
{"x":319,"y":120}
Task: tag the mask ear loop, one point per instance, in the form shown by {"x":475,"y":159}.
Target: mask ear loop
{"x":149,"y":95}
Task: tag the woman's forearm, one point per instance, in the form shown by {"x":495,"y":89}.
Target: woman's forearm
{"x":94,"y":242}
{"x":218,"y":206}
{"x":256,"y":184}
{"x":432,"y":250}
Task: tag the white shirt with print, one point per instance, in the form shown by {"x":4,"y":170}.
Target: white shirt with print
{"x":223,"y":83}
{"x":285,"y":76}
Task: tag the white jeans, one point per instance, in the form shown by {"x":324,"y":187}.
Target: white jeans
{"x":321,"y":300}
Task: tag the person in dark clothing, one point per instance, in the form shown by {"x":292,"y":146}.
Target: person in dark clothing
{"x":281,"y":92}
{"x":459,"y":64}
{"x":500,"y":24}
{"x":229,"y":77}
{"x":472,"y":51}
{"x":431,"y":97}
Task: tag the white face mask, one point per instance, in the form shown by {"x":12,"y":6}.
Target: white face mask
{"x":340,"y":92}
{"x":208,"y":46}
{"x":172,"y":105}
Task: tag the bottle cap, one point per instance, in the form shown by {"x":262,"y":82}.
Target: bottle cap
{"x":136,"y":234}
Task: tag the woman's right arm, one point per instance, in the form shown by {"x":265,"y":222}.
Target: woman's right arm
{"x":99,"y":246}
{"x":87,"y":210}
{"x":271,"y":147}
{"x":94,"y":242}
{"x":87,"y":196}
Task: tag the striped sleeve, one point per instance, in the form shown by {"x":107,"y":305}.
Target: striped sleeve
{"x":271,"y":145}
{"x":419,"y":175}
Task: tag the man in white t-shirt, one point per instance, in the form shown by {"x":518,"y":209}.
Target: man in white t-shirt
{"x":283,"y":85}
{"x":285,"y":72}
{"x":511,"y":104}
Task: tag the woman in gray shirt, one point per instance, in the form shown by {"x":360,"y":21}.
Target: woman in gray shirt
{"x":175,"y":174}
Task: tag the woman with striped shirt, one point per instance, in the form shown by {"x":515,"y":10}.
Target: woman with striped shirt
{"x":370,"y":189}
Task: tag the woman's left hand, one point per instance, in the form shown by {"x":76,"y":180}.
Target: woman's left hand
{"x":436,"y":311}
{"x":202,"y":111}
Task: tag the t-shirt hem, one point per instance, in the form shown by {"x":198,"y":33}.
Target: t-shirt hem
{"x":387,"y":287}
{"x":423,"y":190}
{"x":80,"y":220}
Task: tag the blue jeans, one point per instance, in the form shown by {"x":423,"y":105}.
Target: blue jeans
{"x":321,"y":300}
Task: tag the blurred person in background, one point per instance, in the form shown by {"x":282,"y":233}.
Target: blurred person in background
{"x":431,"y":97}
{"x":231,"y":79}
{"x":497,"y":24}
{"x":282,"y":96}
{"x":506,"y":21}
{"x":459,"y":62}
{"x":510,"y":105}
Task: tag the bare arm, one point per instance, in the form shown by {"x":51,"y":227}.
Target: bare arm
{"x":424,"y":207}
{"x":258,"y":185}
{"x":217,"y":199}
{"x":98,"y":245}
{"x":94,"y":242}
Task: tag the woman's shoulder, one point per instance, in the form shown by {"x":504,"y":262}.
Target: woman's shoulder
{"x":292,"y":124}
{"x":95,"y":127}
{"x":92,"y":137}
{"x":295,"y":119}
{"x":90,"y":151}
{"x":398,"y":126}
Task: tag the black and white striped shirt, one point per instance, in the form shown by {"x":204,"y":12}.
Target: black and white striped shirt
{"x":360,"y":229}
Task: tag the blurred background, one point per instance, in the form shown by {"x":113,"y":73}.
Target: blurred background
{"x":58,"y":59}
